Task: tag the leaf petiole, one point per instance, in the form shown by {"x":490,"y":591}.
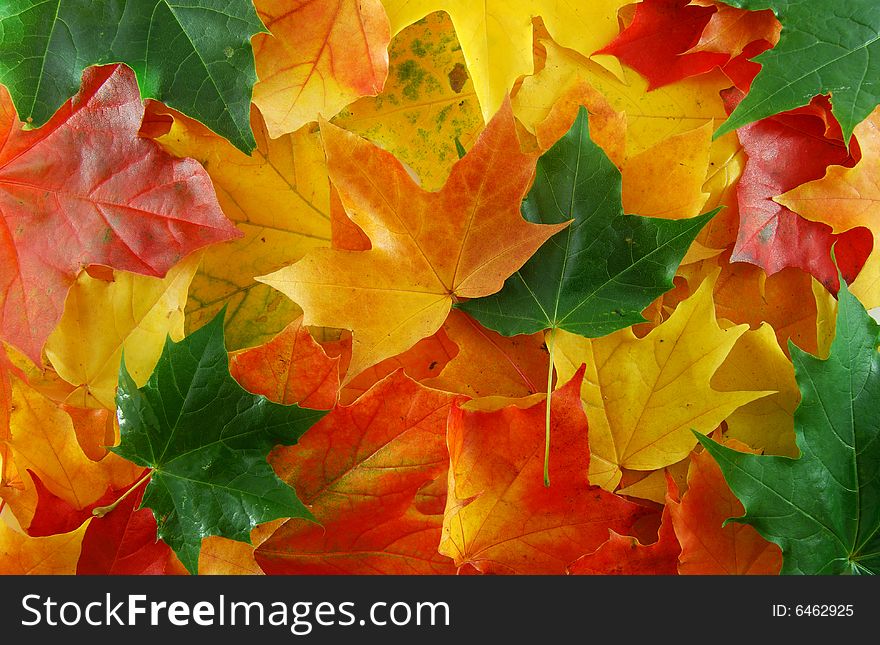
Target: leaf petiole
{"x":101,"y":511}
{"x":547,"y":417}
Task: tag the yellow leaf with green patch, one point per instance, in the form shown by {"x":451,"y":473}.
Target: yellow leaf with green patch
{"x":428,"y":102}
{"x":496,"y":35}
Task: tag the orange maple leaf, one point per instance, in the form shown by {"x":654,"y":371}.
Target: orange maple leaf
{"x":360,"y":471}
{"x":428,"y":248}
{"x":500,"y":518}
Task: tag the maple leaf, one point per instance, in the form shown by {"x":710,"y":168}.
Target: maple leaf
{"x":359,"y":471}
{"x":101,"y":319}
{"x":744,"y":293}
{"x":756,"y":362}
{"x":823,"y":49}
{"x":731,"y":30}
{"x":644,"y":395}
{"x":319,"y":57}
{"x":496,"y":36}
{"x":499,"y":517}
{"x":95,"y":429}
{"x":8,"y":372}
{"x":420,"y":362}
{"x":655,"y":186}
{"x":821,"y":507}
{"x":607,"y":125}
{"x":602,"y":271}
{"x":41,"y":440}
{"x":122,"y":542}
{"x":770,"y":235}
{"x":418,"y":261}
{"x":708,"y":546}
{"x":205,"y":440}
{"x":624,"y":555}
{"x":655,"y":484}
{"x":85,"y":189}
{"x":279,"y":199}
{"x":656,"y":42}
{"x":651,"y":117}
{"x":221,"y":556}
{"x":194,"y":55}
{"x":51,"y":555}
{"x":489,"y":364}
{"x":846,"y":198}
{"x":290,"y":368}
{"x":427,"y":103}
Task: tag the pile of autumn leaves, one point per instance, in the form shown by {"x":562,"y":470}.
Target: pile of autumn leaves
{"x":341,"y":284}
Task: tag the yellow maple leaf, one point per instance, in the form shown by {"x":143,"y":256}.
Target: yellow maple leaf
{"x":667,"y":179}
{"x":279,"y":197}
{"x":644,"y":396}
{"x":496,"y":35}
{"x":134,"y":313}
{"x":651,"y":116}
{"x":756,"y":362}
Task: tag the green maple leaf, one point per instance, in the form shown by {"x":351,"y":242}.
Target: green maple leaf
{"x":826,"y":47}
{"x":597,"y":275}
{"x":206,"y":440}
{"x":193,"y":55}
{"x":823,"y":508}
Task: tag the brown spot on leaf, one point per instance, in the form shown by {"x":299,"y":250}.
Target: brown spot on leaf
{"x":458,"y":76}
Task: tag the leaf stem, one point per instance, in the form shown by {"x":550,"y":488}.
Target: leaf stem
{"x":547,"y":417}
{"x":101,"y":511}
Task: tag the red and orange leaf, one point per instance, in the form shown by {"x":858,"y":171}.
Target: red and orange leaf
{"x":8,"y":472}
{"x":731,"y":30}
{"x":624,"y":555}
{"x":607,"y":125}
{"x":290,"y":368}
{"x":707,"y":547}
{"x":846,"y":198}
{"x":319,"y":57}
{"x":655,"y":43}
{"x":489,"y":364}
{"x":86,"y":189}
{"x":744,"y":293}
{"x":55,"y":515}
{"x":742,"y":69}
{"x":500,"y":518}
{"x":785,"y":151}
{"x":427,"y":247}
{"x":422,"y":361}
{"x":95,"y":428}
{"x":43,"y":441}
{"x":122,"y":542}
{"x":390,"y":544}
{"x":222,"y":556}
{"x":345,"y":235}
{"x":359,"y":471}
